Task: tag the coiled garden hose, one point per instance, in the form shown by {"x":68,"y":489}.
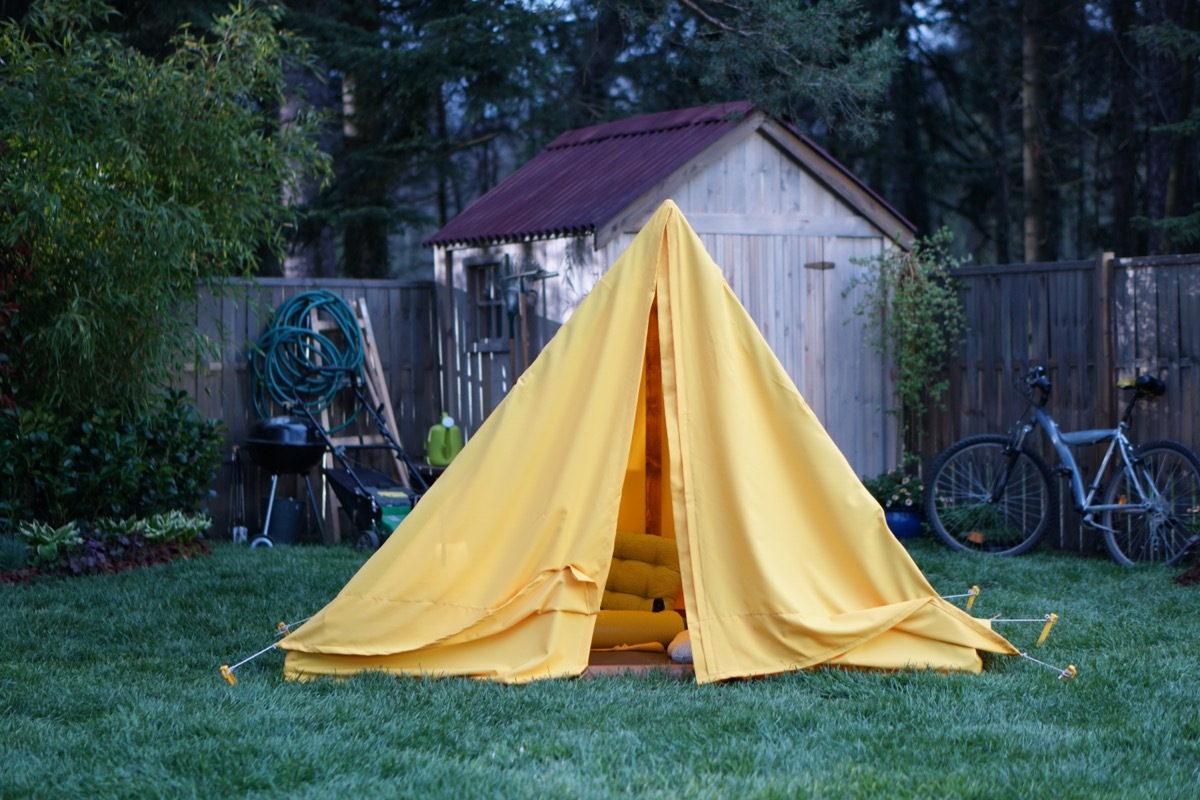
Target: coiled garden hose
{"x":284,"y":360}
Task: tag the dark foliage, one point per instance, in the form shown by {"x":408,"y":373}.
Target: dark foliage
{"x":57,"y":468}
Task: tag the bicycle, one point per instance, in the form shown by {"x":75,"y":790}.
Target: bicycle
{"x":992,"y":494}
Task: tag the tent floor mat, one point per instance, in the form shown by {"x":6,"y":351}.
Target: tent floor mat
{"x":633,"y":662}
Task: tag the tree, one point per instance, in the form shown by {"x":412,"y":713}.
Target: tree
{"x":425,"y":91}
{"x":1171,"y":40}
{"x":124,"y":181}
{"x":441,"y":99}
{"x":1032,"y":129}
{"x":808,"y":61}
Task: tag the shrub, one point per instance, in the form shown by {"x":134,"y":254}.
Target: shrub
{"x":13,"y":553}
{"x":56,"y":469}
{"x":125,"y":181}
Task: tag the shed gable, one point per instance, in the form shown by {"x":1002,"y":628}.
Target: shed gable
{"x":751,"y":184}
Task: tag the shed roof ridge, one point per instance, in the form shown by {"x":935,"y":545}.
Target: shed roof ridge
{"x":605,"y":137}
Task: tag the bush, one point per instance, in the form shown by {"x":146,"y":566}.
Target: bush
{"x":13,"y":553}
{"x":125,"y":181}
{"x":56,"y":469}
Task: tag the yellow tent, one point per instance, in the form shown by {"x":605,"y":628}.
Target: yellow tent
{"x":658,"y":407}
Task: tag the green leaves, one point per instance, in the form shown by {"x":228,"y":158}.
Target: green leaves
{"x":175,"y":526}
{"x":915,"y":317}
{"x":47,"y":543}
{"x":58,"y":467}
{"x":790,"y":57}
{"x":128,"y":180}
{"x":110,"y":543}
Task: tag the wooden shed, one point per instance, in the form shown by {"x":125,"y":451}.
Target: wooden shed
{"x":782,"y":218}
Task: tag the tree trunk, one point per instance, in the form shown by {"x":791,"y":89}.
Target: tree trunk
{"x":310,"y":253}
{"x":364,"y":235}
{"x":1124,"y":126}
{"x":1032,"y":81}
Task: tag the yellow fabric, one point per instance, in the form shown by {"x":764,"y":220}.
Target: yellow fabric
{"x":786,"y":561}
{"x":618,"y":628}
{"x":644,"y":569}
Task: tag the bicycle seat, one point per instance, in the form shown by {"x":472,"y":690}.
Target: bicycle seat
{"x":1145,"y":386}
{"x":1080,"y":438}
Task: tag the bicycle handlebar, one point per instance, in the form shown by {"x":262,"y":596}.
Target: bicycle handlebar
{"x":1038,"y":379}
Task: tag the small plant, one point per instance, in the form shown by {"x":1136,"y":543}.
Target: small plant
{"x":898,"y":489}
{"x":47,"y":544}
{"x":175,"y":526}
{"x":111,"y":529}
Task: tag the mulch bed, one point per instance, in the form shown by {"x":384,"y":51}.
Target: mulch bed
{"x":132,"y":558}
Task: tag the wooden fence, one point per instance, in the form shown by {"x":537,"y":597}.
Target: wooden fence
{"x":1091,"y":323}
{"x":402,"y":316}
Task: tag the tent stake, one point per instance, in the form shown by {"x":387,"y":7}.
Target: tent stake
{"x":227,"y":671}
{"x":1064,"y":675}
{"x":1049,"y":619}
{"x":970,"y":595}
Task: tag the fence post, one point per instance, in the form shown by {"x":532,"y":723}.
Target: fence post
{"x":1105,"y":372}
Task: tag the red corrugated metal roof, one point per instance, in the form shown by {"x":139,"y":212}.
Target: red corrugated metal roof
{"x":586,"y":176}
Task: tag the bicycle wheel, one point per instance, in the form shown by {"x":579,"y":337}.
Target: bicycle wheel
{"x":959,"y":500}
{"x":1169,"y":473}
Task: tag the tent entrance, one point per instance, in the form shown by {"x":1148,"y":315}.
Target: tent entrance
{"x":646,"y":493}
{"x":642,"y":605}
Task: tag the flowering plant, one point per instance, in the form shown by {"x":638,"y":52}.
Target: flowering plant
{"x":898,"y":489}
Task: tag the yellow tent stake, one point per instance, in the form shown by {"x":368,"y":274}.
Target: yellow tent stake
{"x":971,"y":595}
{"x":1064,"y":675}
{"x":1050,"y":620}
{"x":227,"y":671}
{"x":284,"y":628}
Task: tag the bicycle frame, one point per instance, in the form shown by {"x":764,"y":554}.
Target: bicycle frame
{"x":1118,"y":444}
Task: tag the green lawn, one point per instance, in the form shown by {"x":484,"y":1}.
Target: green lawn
{"x":109,"y":687}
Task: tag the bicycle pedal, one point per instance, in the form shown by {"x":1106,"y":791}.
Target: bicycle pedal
{"x":1090,"y":519}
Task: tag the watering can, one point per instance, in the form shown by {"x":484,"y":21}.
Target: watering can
{"x":443,"y":442}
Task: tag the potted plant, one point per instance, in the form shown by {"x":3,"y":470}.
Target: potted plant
{"x":900,"y":492}
{"x":916,"y":321}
